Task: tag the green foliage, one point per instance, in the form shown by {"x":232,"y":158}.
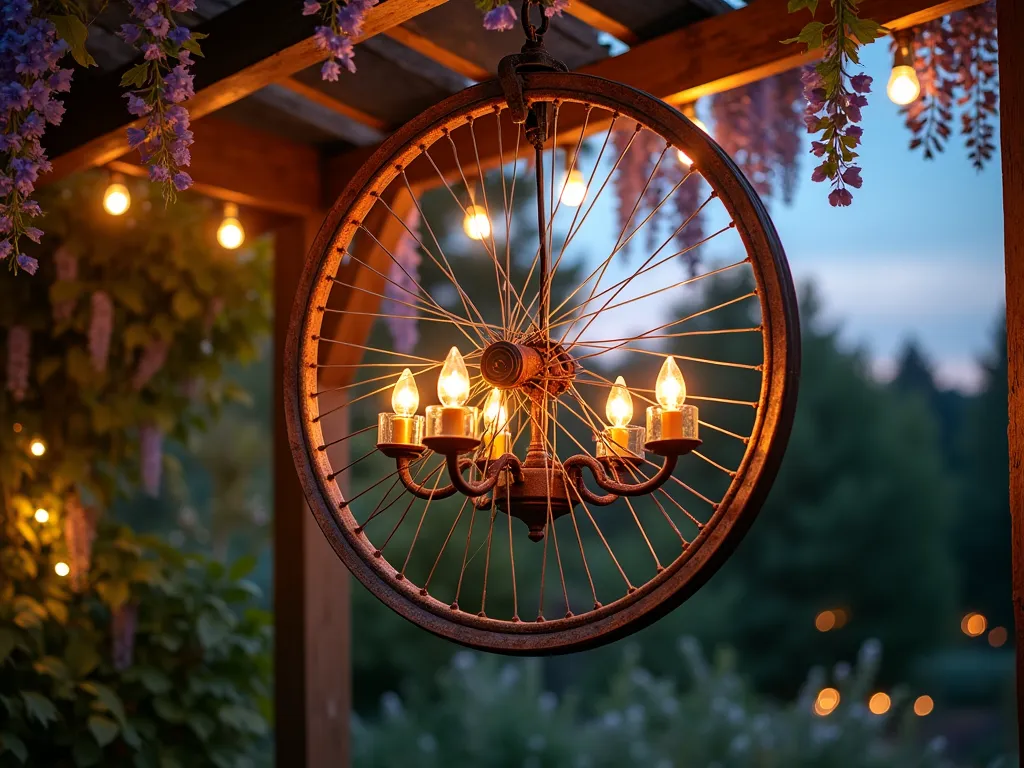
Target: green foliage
{"x":169,"y":283}
{"x":490,"y":713}
{"x":196,"y":691}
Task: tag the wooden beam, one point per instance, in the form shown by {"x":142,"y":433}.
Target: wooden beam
{"x":441,"y":55}
{"x":250,"y":167}
{"x":708,"y":57}
{"x":328,"y":102}
{"x":312,"y":658}
{"x":320,"y":116}
{"x":741,"y":47}
{"x":588,"y":14}
{"x":1011,"y":122}
{"x":253,"y":44}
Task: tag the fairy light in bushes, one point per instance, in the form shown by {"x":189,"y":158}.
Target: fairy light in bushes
{"x":62,"y":569}
{"x":904,"y":88}
{"x":230,"y":233}
{"x":974,"y":625}
{"x":41,"y":515}
{"x":826,"y":702}
{"x":923,"y":706}
{"x":879,"y":703}
{"x":37,"y":447}
{"x":116,"y":198}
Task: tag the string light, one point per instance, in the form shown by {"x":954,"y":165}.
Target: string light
{"x":42,"y":515}
{"x":879,"y":703}
{"x":923,"y":706}
{"x":904,"y":87}
{"x":825,"y":621}
{"x":826,"y":702}
{"x":62,"y":569}
{"x":230,"y":233}
{"x":574,"y":186}
{"x":116,"y":198}
{"x":37,"y":447}
{"x":476,"y":224}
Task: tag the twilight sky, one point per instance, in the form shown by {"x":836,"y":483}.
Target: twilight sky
{"x":919,"y":254}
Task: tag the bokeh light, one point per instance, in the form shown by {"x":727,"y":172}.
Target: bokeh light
{"x":879,"y":703}
{"x":42,"y":515}
{"x":827,"y":701}
{"x":62,"y":569}
{"x":974,"y":625}
{"x":923,"y":706}
{"x":38,"y":447}
{"x":997,"y":637}
{"x":476,"y":224}
{"x":825,"y":621}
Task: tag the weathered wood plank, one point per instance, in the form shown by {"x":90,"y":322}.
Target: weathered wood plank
{"x":443,"y":56}
{"x":1011,"y":120}
{"x":588,"y":14}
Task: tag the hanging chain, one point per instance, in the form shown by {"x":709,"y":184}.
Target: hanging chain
{"x":534,"y":34}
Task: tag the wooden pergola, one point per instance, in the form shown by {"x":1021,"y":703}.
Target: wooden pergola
{"x":282,"y":144}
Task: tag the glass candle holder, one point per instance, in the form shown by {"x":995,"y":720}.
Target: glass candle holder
{"x":664,"y":424}
{"x":451,"y":422}
{"x":496,"y":444}
{"x":393,"y":429}
{"x":621,"y":442}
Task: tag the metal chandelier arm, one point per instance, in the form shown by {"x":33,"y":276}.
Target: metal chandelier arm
{"x":574,"y":468}
{"x":491,"y":476}
{"x":417,"y":489}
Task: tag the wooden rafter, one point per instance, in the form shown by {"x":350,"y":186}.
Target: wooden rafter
{"x":588,"y":14}
{"x":252,"y":45}
{"x":708,"y":57}
{"x":329,"y":102}
{"x":427,"y":47}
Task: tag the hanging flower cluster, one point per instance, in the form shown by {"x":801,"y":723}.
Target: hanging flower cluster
{"x":500,"y":16}
{"x":30,"y":75}
{"x":342,"y":21}
{"x":955,"y":59}
{"x":835,"y":97}
{"x":401,"y":290}
{"x":760,"y":126}
{"x":159,"y":85}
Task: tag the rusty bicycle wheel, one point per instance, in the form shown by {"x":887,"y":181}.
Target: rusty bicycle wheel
{"x":581,"y":575}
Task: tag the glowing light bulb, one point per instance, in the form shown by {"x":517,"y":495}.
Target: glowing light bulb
{"x":574,"y":190}
{"x":405,"y":398}
{"x":923,"y":706}
{"x":230,"y":233}
{"x":116,"y":199}
{"x":619,"y":408}
{"x":453,"y":383}
{"x":37,"y":447}
{"x":671,"y":387}
{"x":42,"y":515}
{"x":904,"y":87}
{"x":62,"y":569}
{"x":476,"y":224}
{"x":495,"y":413}
{"x":827,"y":701}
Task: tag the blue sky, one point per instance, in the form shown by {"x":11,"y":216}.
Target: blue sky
{"x":919,"y":254}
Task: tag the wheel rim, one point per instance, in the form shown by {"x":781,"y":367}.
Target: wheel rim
{"x":766,"y":443}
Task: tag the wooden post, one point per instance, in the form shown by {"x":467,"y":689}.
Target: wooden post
{"x":1011,"y":109}
{"x":312,"y":662}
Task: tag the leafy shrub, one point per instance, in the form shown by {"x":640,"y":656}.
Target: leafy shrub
{"x":160,"y":661}
{"x":495,"y":713}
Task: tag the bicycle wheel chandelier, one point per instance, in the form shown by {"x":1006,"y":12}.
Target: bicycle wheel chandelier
{"x":489,"y":520}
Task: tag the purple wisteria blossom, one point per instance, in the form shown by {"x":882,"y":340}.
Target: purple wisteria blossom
{"x":101,"y":326}
{"x":19,"y":350}
{"x":66,"y":264}
{"x":151,"y":454}
{"x":401,"y":290}
{"x":556,"y":8}
{"x":30,"y":76}
{"x":342,"y":21}
{"x":162,"y":83}
{"x":501,"y":18}
{"x":123,"y":622}
{"x":79,"y":534}
{"x":154,"y":355}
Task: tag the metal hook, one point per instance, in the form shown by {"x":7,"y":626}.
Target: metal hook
{"x":534,"y":34}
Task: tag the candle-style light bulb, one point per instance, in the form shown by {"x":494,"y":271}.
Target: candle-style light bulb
{"x":453,"y":383}
{"x":405,"y":398}
{"x":495,"y":413}
{"x":619,"y":408}
{"x":671,"y":387}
